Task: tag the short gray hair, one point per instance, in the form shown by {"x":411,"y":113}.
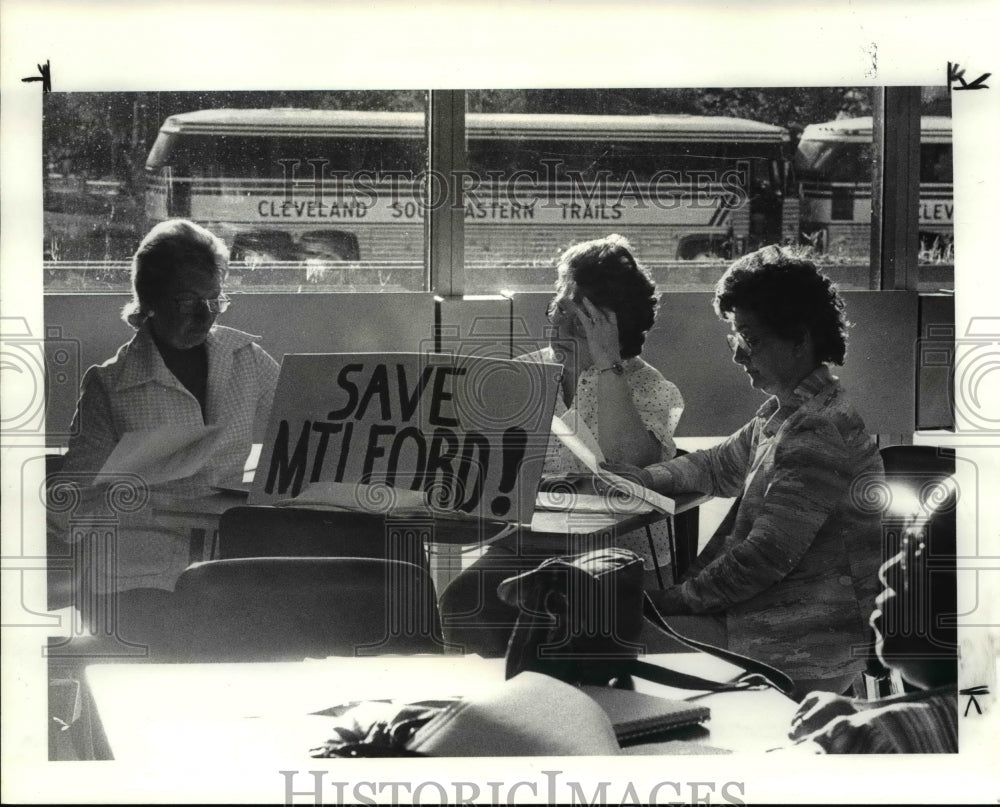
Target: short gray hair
{"x":168,"y":246}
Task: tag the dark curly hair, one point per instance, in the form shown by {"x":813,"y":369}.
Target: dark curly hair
{"x":169,"y":245}
{"x":790,"y":296}
{"x":606,"y":273}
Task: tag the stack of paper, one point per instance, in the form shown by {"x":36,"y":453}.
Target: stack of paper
{"x":581,"y":441}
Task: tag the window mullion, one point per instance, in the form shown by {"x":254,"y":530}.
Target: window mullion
{"x":895,"y":188}
{"x":444,"y":220}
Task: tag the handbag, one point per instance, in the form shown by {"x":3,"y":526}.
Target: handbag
{"x":580,"y":619}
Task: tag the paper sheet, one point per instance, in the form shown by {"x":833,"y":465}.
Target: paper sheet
{"x":242,"y":481}
{"x":356,"y":497}
{"x":588,"y":503}
{"x":581,"y":441}
{"x":165,"y":454}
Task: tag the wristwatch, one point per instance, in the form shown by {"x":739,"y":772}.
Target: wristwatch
{"x":615,"y":367}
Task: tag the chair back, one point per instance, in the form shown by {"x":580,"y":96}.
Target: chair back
{"x":282,"y":609}
{"x":913,"y":472}
{"x":261,"y":531}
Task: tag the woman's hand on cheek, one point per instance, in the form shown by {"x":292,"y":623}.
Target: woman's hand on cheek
{"x":601,"y":329}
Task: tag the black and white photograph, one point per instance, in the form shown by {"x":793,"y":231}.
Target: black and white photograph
{"x":466,"y":405}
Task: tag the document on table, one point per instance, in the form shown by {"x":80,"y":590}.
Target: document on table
{"x":242,"y":481}
{"x":579,"y":439}
{"x":358,"y":497}
{"x":165,"y":454}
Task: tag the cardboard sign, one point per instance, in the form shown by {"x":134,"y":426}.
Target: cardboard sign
{"x":468,"y":431}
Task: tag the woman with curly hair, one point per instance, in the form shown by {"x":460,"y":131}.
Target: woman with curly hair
{"x":604,"y":304}
{"x":790,"y":575}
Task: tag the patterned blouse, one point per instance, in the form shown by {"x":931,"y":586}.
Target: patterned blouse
{"x":659,"y":404}
{"x":793,"y":567}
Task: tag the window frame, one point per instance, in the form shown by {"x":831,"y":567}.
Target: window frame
{"x":895,"y":239}
{"x":895,"y":188}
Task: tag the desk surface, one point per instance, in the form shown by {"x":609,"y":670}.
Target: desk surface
{"x":244,"y":713}
{"x":558,"y":521}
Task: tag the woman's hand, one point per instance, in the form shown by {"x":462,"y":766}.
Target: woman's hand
{"x":817,"y":709}
{"x":631,"y":472}
{"x":600,"y":326}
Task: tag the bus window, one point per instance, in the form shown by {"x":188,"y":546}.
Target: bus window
{"x":935,"y":162}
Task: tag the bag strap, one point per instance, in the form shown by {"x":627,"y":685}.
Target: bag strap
{"x":679,"y":680}
{"x":772,"y":675}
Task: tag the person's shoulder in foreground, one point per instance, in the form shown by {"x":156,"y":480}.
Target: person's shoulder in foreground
{"x":919,"y":587}
{"x":923,"y":722}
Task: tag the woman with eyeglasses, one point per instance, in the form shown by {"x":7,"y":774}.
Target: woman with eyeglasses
{"x":605,"y":302}
{"x":790,"y":576}
{"x":604,"y":305}
{"x":180,"y":369}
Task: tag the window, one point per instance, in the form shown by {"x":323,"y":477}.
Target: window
{"x":309,"y":191}
{"x":693,"y":178}
{"x":328,"y":191}
{"x":936,"y":216}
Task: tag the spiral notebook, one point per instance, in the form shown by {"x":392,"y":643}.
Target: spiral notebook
{"x":637,"y":717}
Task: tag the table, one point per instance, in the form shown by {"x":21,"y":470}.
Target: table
{"x":267,"y":530}
{"x":259,"y":713}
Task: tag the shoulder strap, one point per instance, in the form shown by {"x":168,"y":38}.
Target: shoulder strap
{"x":774,"y":676}
{"x":679,"y":680}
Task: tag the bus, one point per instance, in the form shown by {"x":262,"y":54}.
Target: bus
{"x":339,"y":196}
{"x":833,"y":165}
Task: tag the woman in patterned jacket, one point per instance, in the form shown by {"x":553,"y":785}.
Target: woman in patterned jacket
{"x":790,"y":575}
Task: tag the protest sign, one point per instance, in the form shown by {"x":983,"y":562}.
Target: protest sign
{"x":468,"y":431}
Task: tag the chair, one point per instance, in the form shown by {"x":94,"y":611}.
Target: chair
{"x":910,"y":461}
{"x":281,"y":609}
{"x":261,"y":531}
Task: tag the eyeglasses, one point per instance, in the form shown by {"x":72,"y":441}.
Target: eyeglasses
{"x":738,"y":341}
{"x":555,"y":309}
{"x":189,"y":305}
